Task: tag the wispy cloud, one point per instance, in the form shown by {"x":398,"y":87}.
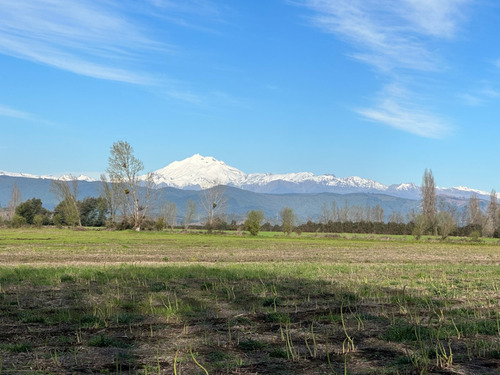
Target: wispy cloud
{"x":90,"y":38}
{"x":109,"y":40}
{"x":479,"y":97}
{"x":471,"y":100}
{"x":389,"y":36}
{"x":200,"y":7}
{"x":33,"y":119}
{"x":395,"y":39}
{"x":396,"y":107}
{"x":6,"y":111}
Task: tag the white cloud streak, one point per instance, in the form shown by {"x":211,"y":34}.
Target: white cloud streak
{"x":200,"y":7}
{"x":394,"y":38}
{"x":479,"y":97}
{"x":84,"y":37}
{"x":6,"y":111}
{"x":396,"y":107}
{"x":388,"y":35}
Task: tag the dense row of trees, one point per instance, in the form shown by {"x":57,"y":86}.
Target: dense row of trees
{"x":128,"y":200}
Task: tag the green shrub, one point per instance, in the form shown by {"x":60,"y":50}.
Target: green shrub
{"x":160,"y":224}
{"x":253,"y":221}
{"x":18,"y":221}
{"x":38,"y":221}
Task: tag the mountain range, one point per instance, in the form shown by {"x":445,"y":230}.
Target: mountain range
{"x":200,"y":172}
{"x":305,"y":192}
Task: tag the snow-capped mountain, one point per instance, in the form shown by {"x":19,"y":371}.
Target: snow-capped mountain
{"x":197,"y":172}
{"x":65,"y":177}
{"x":70,"y":177}
{"x":200,"y":172}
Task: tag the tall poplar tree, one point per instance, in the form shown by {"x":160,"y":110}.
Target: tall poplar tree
{"x":429,"y":208}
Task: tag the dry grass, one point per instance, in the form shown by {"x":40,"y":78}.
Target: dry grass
{"x":130,"y":303}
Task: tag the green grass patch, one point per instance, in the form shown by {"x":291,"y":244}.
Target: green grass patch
{"x":250,"y":344}
{"x":16,"y":348}
{"x":103,"y":341}
{"x":248,"y":305}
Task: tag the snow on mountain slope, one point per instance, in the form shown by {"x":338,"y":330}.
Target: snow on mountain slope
{"x":204,"y":172}
{"x":70,"y":177}
{"x":463,"y":192}
{"x":200,"y":172}
{"x":65,"y":177}
{"x":197,"y":171}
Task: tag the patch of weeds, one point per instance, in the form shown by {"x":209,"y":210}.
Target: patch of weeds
{"x":28,"y":317}
{"x":402,"y":360}
{"x":148,"y":369}
{"x":271,"y":301}
{"x":250,"y":345}
{"x":349,"y":297}
{"x":127,"y":305}
{"x":64,"y":339}
{"x":91,"y":320}
{"x":243,"y":320}
{"x":158,"y":286}
{"x":278,"y":353}
{"x":65,"y":278}
{"x":277,"y":317}
{"x":217,"y":356}
{"x":371,"y":317}
{"x":123,"y":356}
{"x":16,"y":348}
{"x":331,"y":317}
{"x":60,"y":316}
{"x":220,"y":360}
{"x":404,"y":332}
{"x":482,"y":327}
{"x":128,"y":318}
{"x":103,"y":341}
{"x":206,"y":285}
{"x":159,"y":327}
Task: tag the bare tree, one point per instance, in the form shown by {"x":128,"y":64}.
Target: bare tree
{"x":123,"y":169}
{"x":446,"y":223}
{"x":357,"y":214}
{"x":169,"y":214}
{"x":419,"y":224}
{"x":15,"y":200}
{"x":189,"y":212}
{"x":396,"y":217}
{"x":325,"y":214}
{"x":213,"y":202}
{"x":67,"y":194}
{"x":343,"y":213}
{"x":378,"y":214}
{"x":429,"y":208}
{"x":476,"y":216}
{"x":112,"y":192}
{"x":335,"y":212}
{"x":491,"y":224}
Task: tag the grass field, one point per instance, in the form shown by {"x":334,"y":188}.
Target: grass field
{"x":102,"y":302}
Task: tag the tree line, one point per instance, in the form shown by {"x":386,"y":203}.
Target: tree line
{"x":128,"y":200}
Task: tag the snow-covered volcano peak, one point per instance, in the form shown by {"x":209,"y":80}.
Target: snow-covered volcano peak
{"x":198,"y":171}
{"x":70,"y":177}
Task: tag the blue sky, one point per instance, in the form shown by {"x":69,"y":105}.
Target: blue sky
{"x":372,"y":88}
